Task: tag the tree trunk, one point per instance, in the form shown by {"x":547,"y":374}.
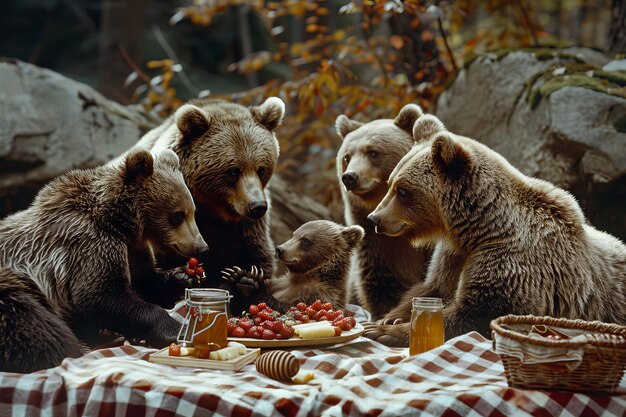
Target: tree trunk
{"x":617,"y":33}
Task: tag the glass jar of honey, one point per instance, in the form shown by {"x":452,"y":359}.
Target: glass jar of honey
{"x":426,"y":325}
{"x":205,"y":323}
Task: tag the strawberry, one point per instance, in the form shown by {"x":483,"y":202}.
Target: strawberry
{"x":301,"y":306}
{"x":337,"y":331}
{"x":191,"y":272}
{"x":258,"y":320}
{"x":192,"y":262}
{"x":253,"y":332}
{"x":310,"y":312}
{"x":238,"y":332}
{"x":254,"y":309}
{"x":292,"y":309}
{"x":262,"y":306}
{"x":333,"y":314}
{"x":305,"y":318}
{"x":279,"y":336}
{"x":199,"y":271}
{"x":319,"y":314}
{"x":174,"y":350}
{"x":231,"y":325}
{"x":265,"y":315}
{"x":246,"y":324}
{"x":341,"y":323}
{"x":268,"y":334}
{"x":287,"y":332}
{"x":327,"y":306}
{"x":351,"y":322}
{"x":317,"y":305}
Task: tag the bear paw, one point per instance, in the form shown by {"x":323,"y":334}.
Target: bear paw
{"x":179,"y":277}
{"x":247,"y":282}
{"x":394,"y":335}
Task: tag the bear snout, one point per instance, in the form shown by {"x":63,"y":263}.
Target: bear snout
{"x":257,"y":209}
{"x":349,"y":179}
{"x":202,"y":251}
{"x":279,"y":251}
{"x":374,"y":219}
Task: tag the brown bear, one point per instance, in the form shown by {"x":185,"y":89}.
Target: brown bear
{"x":227,"y":153}
{"x":386,"y":267}
{"x":506,"y":243}
{"x":67,"y":262}
{"x":318,"y":259}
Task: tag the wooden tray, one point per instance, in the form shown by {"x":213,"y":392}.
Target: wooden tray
{"x":234,"y":364}
{"x":297,"y":342}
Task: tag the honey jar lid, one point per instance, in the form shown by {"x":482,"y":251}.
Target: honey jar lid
{"x":427,"y":303}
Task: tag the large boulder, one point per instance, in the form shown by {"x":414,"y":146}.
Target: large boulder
{"x":50,"y":124}
{"x":555,"y":115}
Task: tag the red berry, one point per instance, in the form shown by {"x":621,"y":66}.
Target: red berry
{"x":327,"y":306}
{"x":238,"y":332}
{"x":337,"y":331}
{"x":279,"y":336}
{"x":287,"y":332}
{"x":342,"y":324}
{"x":191,"y":272}
{"x":203,"y":353}
{"x":333,"y":314}
{"x":252,"y":331}
{"x":301,"y":306}
{"x":292,"y":309}
{"x":246,"y":324}
{"x":258,"y":320}
{"x":192,"y":262}
{"x":351,"y":322}
{"x":305,"y":318}
{"x":268,"y":335}
{"x":262,"y":306}
{"x":230,"y":326}
{"x":319,"y":315}
{"x":199,"y":271}
{"x":254,"y":310}
{"x":174,"y":350}
{"x":265,"y":315}
{"x":317,"y":305}
{"x":310,"y":312}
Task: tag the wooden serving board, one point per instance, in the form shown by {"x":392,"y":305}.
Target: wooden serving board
{"x":298,"y":342}
{"x":234,"y":364}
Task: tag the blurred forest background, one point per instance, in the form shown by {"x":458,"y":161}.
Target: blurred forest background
{"x":323,"y":58}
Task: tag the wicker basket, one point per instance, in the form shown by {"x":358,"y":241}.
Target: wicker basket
{"x":603,"y":355}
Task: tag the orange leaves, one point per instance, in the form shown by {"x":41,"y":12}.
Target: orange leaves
{"x":252,"y":63}
{"x":396,"y":41}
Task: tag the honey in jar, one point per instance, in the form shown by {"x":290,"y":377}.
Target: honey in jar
{"x":427,"y":330}
{"x":205,"y":323}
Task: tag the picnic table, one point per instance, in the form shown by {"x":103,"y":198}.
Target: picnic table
{"x":464,"y":377}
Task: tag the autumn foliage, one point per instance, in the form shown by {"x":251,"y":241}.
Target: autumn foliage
{"x":368,"y":61}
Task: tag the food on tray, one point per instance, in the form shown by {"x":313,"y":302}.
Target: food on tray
{"x":261,"y":322}
{"x":233,"y":350}
{"x":315,"y":330}
{"x":278,"y":365}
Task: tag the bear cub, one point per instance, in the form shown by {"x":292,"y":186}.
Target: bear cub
{"x":318,"y":259}
{"x":68,"y":261}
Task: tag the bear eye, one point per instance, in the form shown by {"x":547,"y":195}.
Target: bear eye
{"x":347,"y":158}
{"x":261,"y":171}
{"x":176,"y":218}
{"x":372,"y":154}
{"x":233,"y":172}
{"x":306,"y":241}
{"x":401,"y":192}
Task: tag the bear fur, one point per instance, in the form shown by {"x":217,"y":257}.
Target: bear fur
{"x":318,"y":259}
{"x":385,"y":267}
{"x":228,"y":154}
{"x":506,"y":243}
{"x":67,"y":262}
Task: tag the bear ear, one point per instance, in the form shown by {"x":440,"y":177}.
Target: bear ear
{"x":449,"y":156}
{"x":353,"y":235}
{"x":426,"y":127}
{"x":345,"y":125}
{"x":138,"y":166}
{"x":270,"y":113}
{"x":407,"y":117}
{"x":168,"y":158}
{"x":191,"y":121}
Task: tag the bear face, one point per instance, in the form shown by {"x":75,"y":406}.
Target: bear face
{"x":170,"y":225}
{"x":316,"y":242}
{"x":228,"y":154}
{"x":412,"y":206}
{"x":370,"y":151}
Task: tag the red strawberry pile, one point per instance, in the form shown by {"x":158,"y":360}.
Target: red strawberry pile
{"x":261,"y":322}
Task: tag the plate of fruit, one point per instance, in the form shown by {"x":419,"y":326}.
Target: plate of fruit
{"x":303,"y":325}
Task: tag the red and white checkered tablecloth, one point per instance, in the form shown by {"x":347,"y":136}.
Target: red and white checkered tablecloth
{"x":464,"y":377}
